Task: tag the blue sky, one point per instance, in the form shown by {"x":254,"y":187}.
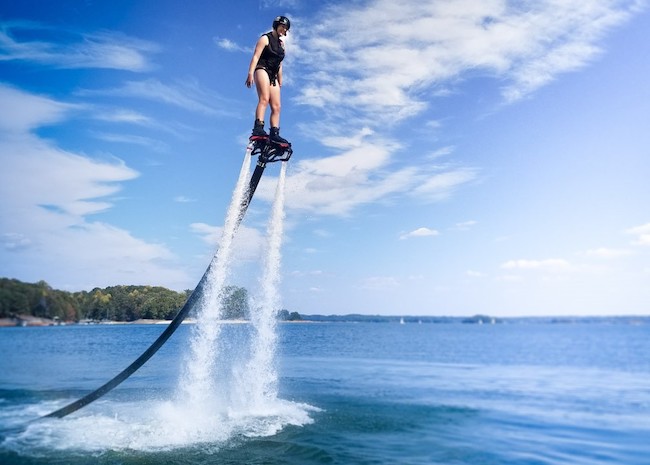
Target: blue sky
{"x":450,"y":157}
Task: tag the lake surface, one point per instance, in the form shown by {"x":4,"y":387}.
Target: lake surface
{"x":348,"y":393}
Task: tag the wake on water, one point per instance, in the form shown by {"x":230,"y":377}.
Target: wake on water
{"x":228,"y":389}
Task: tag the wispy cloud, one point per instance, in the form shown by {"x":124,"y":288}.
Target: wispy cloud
{"x":420,"y":232}
{"x":474,"y":274}
{"x":125,"y":116}
{"x":403,"y":57}
{"x":131,"y":139}
{"x":113,"y":50}
{"x":188,"y":95}
{"x":435,"y":44}
{"x":641,"y":233}
{"x":365,"y":173}
{"x":47,"y":198}
{"x":29,"y":111}
{"x":547,"y":265}
{"x":183,"y":199}
{"x":230,"y":46}
{"x":279,"y":3}
{"x":247,"y":245}
{"x":379,"y":283}
{"x":608,"y":253}
{"x":465,"y":225}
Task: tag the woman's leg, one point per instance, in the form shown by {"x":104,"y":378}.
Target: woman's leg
{"x":274,"y":100}
{"x":263,"y":85}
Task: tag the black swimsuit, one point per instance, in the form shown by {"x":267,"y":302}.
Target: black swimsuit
{"x":271,"y":57}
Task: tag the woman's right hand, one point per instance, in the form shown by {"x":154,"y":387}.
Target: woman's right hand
{"x":249,"y":80}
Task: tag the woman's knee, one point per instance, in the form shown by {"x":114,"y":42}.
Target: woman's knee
{"x":264,"y":99}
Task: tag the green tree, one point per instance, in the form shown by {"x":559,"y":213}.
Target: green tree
{"x":234,"y":302}
{"x":284,"y":315}
{"x":120,"y":303}
{"x":295,"y":316}
{"x":14,"y":298}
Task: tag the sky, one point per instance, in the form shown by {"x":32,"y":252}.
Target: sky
{"x":451,"y":157}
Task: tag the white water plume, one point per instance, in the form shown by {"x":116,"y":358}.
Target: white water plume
{"x":258,"y":378}
{"x":196,"y":384}
{"x":231,"y":374}
{"x":229,"y":385}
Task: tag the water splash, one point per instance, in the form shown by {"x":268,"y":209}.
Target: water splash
{"x":196,"y":384}
{"x":227,"y":390}
{"x":258,"y":378}
{"x":231,"y":377}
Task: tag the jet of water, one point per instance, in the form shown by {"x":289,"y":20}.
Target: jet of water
{"x":196,"y":386}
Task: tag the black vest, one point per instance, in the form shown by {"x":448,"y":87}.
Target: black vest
{"x":272,"y":55}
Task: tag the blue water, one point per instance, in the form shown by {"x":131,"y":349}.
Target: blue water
{"x":366,"y":393}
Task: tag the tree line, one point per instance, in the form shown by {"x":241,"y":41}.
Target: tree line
{"x":115,"y":303}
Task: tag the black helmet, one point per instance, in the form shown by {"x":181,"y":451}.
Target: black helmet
{"x":281,"y":20}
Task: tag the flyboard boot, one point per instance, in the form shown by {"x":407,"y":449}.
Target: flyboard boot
{"x":269,"y":148}
{"x":258,"y":131}
{"x":276,"y":139}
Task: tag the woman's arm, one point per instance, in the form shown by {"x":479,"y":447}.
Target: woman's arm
{"x":259,"y":47}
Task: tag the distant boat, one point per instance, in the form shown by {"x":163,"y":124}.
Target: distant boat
{"x":401,"y":321}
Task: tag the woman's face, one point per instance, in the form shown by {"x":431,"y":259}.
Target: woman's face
{"x":282,"y":30}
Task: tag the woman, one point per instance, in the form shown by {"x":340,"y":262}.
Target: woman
{"x":266,"y":71}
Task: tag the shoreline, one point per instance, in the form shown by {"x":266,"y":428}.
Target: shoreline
{"x":635,"y":320}
{"x":33,"y":322}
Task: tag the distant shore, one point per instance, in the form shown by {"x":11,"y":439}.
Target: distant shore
{"x":30,"y":321}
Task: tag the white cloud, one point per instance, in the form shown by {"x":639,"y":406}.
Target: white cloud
{"x":474,"y":274}
{"x":230,"y":46}
{"x":125,"y":116}
{"x":29,"y":111}
{"x":336,"y":185}
{"x":322,"y":233}
{"x":183,"y":199}
{"x":509,"y":278}
{"x":120,"y":138}
{"x":111,"y":50}
{"x":47,"y":195}
{"x":642,"y":234}
{"x":14,"y":241}
{"x":465,"y":225}
{"x":548,"y":265}
{"x":188,"y":95}
{"x":607,"y":253}
{"x":363,"y":174}
{"x":247,"y":244}
{"x":643,"y":239}
{"x":444,"y":151}
{"x":441,"y":185}
{"x":420,"y":232}
{"x":279,"y":3}
{"x":378,"y":283}
{"x":383,"y":57}
{"x":343,"y":142}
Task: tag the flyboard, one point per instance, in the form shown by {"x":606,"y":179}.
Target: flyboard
{"x":266,"y":152}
